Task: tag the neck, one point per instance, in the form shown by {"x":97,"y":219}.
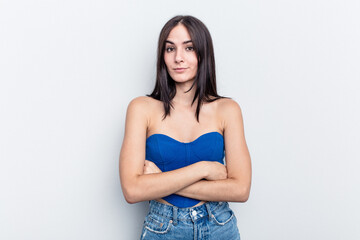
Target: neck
{"x":182,"y":97}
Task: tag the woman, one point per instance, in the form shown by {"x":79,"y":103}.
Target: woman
{"x":173,"y":149}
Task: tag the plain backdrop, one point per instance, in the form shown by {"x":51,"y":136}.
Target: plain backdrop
{"x":68,"y":70}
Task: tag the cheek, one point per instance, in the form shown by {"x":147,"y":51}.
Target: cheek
{"x":166,"y":60}
{"x":194,"y":61}
{"x":195,"y":64}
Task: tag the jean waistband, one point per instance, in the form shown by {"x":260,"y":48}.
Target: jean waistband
{"x":184,"y":214}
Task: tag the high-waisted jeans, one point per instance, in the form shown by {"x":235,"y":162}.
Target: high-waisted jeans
{"x":209,"y":221}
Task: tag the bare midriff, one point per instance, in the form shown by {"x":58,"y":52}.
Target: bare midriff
{"x":165,"y":202}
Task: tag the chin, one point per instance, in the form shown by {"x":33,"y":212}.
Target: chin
{"x":181,"y":80}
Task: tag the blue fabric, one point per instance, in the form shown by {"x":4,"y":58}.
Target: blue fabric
{"x":209,"y":221}
{"x":169,"y":154}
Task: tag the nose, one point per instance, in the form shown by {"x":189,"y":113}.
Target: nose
{"x":179,"y":56}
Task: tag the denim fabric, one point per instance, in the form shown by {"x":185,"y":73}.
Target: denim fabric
{"x":209,"y":221}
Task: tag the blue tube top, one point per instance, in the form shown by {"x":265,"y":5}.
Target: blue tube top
{"x":169,"y":154}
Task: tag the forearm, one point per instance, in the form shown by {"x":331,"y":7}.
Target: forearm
{"x":157,"y":185}
{"x":229,"y":190}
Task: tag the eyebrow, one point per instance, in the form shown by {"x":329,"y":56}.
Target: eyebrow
{"x":185,"y":42}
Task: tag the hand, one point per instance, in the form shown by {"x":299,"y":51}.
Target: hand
{"x":150,"y":167}
{"x":215,"y":171}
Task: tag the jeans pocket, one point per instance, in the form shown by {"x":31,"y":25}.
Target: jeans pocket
{"x":222,"y":215}
{"x":157,"y":224}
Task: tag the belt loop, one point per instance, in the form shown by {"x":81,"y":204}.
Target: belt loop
{"x":175,"y":211}
{"x":207,"y":205}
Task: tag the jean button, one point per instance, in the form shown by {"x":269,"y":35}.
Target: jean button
{"x":194,"y":213}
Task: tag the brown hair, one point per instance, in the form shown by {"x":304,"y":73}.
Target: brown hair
{"x":205,"y":78}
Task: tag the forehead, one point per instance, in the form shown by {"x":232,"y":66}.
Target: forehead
{"x":179,"y":34}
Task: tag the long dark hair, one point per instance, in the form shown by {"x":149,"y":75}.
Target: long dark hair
{"x":205,"y":78}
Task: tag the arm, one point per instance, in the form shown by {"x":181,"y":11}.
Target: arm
{"x":202,"y":190}
{"x":138,"y":186}
{"x":236,"y":188}
{"x":218,"y":190}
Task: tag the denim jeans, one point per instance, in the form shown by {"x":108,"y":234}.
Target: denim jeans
{"x":209,"y":221}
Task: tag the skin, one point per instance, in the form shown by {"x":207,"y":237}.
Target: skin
{"x":180,"y":57}
{"x":141,"y":180}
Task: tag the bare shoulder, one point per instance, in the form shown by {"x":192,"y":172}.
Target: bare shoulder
{"x":138,"y":110}
{"x":141,"y":104}
{"x":145,"y":101}
{"x":140,"y":101}
{"x":141,"y":109}
{"x":228,"y":109}
{"x":227,"y":103}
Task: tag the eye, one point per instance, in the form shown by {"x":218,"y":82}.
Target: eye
{"x":169,"y":49}
{"x":190,"y":48}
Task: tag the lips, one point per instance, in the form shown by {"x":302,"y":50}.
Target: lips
{"x":179,"y":70}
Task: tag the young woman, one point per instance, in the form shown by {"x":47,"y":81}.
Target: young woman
{"x":176,"y":139}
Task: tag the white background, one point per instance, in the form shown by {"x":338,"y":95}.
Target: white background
{"x":68,"y":70}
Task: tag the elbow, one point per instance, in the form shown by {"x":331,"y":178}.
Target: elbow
{"x":130,"y":199}
{"x":131,"y":190}
{"x":240,"y":191}
{"x":244,"y":198}
{"x":131,"y":196}
{"x":242,"y":194}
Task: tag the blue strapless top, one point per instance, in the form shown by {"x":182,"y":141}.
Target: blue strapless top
{"x":169,"y":154}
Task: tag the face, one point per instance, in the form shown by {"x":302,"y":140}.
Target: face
{"x":180,"y":57}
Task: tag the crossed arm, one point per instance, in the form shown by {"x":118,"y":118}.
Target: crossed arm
{"x":221,"y":189}
{"x":205,"y":180}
